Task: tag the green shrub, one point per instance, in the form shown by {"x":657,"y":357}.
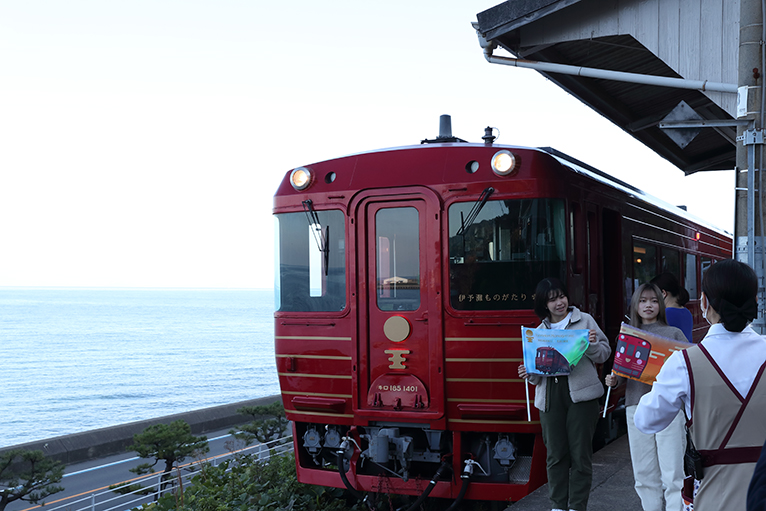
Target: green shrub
{"x":252,"y":485}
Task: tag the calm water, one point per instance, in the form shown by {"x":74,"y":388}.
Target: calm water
{"x":78,"y":359}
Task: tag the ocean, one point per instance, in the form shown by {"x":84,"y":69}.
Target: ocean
{"x":73,"y":360}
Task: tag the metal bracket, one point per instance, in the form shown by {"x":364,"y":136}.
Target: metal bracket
{"x":751,"y":137}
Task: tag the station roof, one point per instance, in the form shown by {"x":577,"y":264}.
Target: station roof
{"x":537,"y":30}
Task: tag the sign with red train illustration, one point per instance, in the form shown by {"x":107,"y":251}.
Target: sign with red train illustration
{"x":552,"y":352}
{"x":639,"y":354}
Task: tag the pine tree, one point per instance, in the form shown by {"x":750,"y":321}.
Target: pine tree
{"x":171,"y":443}
{"x":28,"y":476}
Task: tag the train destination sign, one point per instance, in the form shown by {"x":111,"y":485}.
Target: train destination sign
{"x":552,"y":352}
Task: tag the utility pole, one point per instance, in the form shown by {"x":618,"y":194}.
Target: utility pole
{"x":748,"y":228}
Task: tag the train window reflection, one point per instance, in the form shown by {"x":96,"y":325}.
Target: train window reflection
{"x":644,"y":263}
{"x":398,"y":259}
{"x":307,"y":278}
{"x":671,"y":261}
{"x":690,"y":278}
{"x":705,"y":263}
{"x":496,"y":262}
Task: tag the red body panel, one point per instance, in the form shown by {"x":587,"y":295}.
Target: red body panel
{"x":422,"y":365}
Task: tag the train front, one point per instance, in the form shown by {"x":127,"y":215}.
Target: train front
{"x":403,"y":278}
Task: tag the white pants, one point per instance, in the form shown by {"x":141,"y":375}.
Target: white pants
{"x":658,"y":463}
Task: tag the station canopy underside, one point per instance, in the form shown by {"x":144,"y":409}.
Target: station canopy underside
{"x":636,"y":108}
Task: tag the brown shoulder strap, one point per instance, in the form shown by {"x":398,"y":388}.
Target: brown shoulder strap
{"x":691,"y":387}
{"x":744,"y":406}
{"x":720,"y":373}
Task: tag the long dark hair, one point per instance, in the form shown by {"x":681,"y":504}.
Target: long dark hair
{"x":731,"y":287}
{"x":546,"y":288}
{"x":635,"y":319}
{"x":669,"y":283}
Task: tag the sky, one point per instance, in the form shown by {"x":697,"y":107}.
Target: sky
{"x":142,"y":141}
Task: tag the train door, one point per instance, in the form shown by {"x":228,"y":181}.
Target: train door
{"x":400,"y":357}
{"x":613,"y":277}
{"x":594,"y":264}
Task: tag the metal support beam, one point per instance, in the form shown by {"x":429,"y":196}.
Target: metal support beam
{"x":705,"y":123}
{"x":619,"y":76}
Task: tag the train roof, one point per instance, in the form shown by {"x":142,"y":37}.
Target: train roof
{"x":585,"y":169}
{"x":575,"y":165}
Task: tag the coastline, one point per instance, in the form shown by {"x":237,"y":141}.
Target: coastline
{"x":103,"y":442}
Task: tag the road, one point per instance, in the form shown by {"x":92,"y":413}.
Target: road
{"x":86,"y":485}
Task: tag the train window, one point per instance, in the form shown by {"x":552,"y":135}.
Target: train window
{"x":670,"y":261}
{"x":398,"y":259}
{"x":644,"y":263}
{"x":705,"y":263}
{"x":497,"y":260}
{"x":310,"y":262}
{"x":690,"y":277}
{"x":575,"y":234}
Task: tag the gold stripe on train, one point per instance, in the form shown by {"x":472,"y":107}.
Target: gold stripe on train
{"x":472,"y":400}
{"x":310,"y":338}
{"x":304,"y":375}
{"x":315,"y":357}
{"x":325,"y":414}
{"x":483,"y":380}
{"x":316,"y":394}
{"x":483,"y":359}
{"x":482,"y":339}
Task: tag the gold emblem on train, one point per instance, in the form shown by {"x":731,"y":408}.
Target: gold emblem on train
{"x":397,"y":358}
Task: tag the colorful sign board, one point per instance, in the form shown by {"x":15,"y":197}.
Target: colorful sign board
{"x":639,"y":355}
{"x":552,"y":352}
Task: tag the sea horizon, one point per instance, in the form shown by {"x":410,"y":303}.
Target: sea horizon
{"x":83,"y":358}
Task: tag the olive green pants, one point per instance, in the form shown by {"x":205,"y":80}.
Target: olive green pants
{"x":568,"y":430}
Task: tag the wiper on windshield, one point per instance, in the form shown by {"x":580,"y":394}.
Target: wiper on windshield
{"x":316,"y":229}
{"x":466,"y":223}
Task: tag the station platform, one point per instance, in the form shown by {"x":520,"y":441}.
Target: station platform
{"x":612,"y":487}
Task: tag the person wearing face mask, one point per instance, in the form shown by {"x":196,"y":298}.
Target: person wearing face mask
{"x":568,"y":404}
{"x":720,"y":385}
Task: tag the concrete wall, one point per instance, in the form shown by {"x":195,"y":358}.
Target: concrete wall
{"x":100,"y":443}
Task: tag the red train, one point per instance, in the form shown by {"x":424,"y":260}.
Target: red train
{"x":549,"y":361}
{"x":634,"y":353}
{"x":403,"y":278}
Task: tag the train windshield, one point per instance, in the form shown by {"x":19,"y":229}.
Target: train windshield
{"x":497,"y":259}
{"x":310,"y":261}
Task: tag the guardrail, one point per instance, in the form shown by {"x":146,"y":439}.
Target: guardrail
{"x":153,"y":485}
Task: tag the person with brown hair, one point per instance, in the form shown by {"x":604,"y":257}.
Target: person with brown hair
{"x":657,"y":459}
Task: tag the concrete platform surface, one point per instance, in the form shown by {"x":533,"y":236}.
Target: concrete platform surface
{"x":612,"y":488}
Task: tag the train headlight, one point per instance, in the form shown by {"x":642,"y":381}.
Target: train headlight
{"x":301,"y":178}
{"x":503,"y":163}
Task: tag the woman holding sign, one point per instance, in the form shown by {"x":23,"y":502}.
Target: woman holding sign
{"x":657,"y":459}
{"x":719,"y":383}
{"x":568,"y":404}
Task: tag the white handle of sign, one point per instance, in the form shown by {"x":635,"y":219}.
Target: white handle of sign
{"x":526,"y":390}
{"x":606,"y":403}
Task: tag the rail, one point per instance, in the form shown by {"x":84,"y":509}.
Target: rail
{"x":152,"y":486}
